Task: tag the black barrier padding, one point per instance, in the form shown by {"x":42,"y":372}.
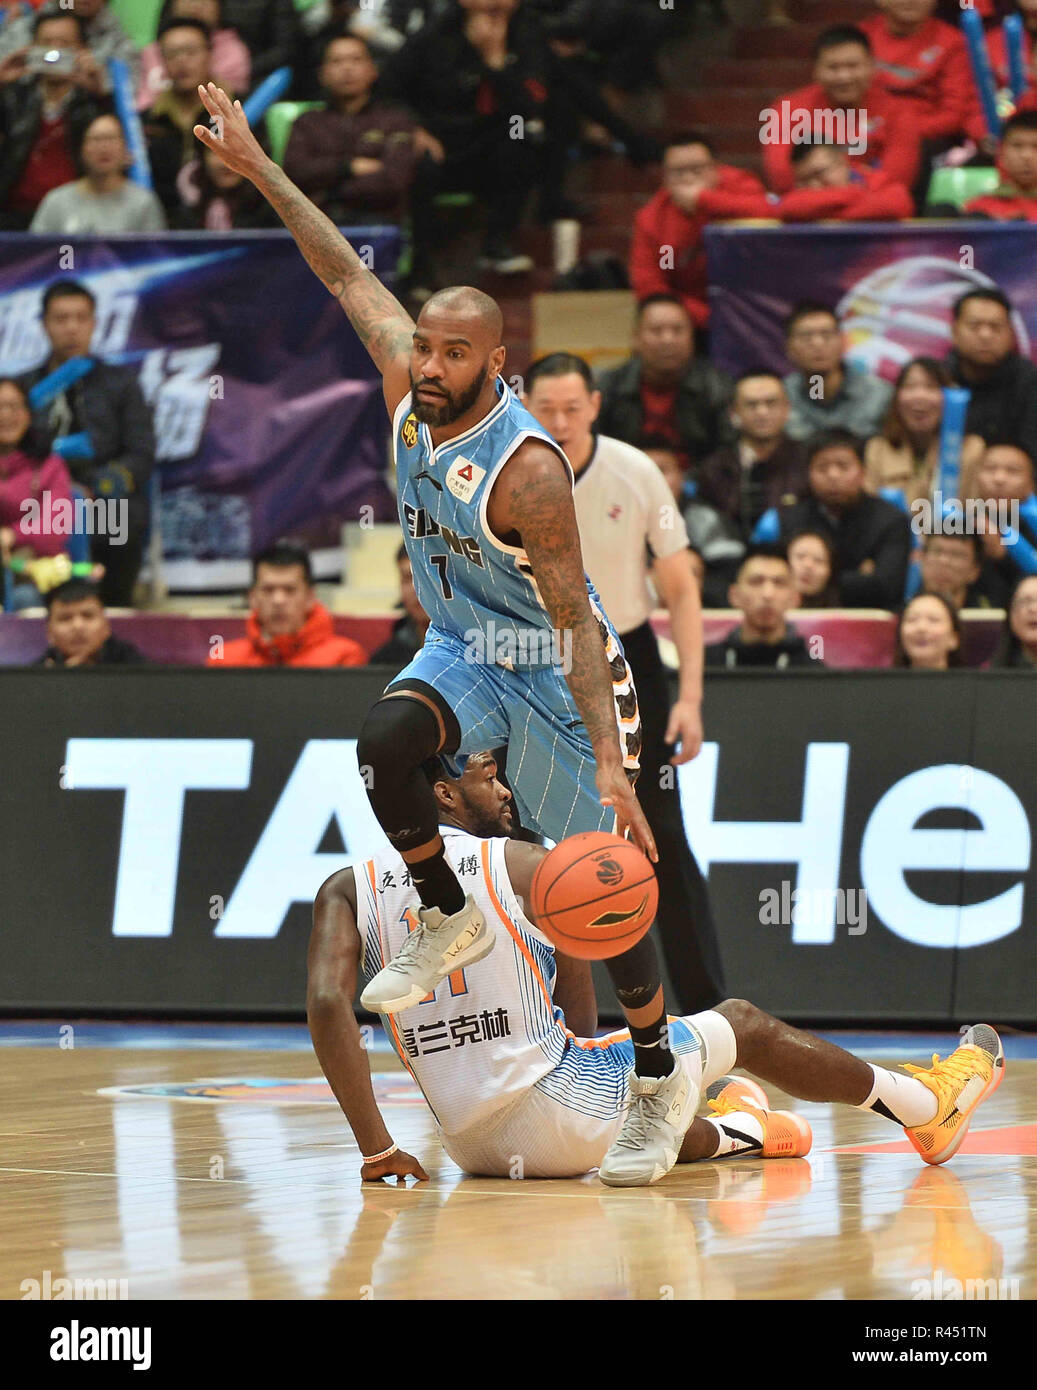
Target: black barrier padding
{"x":61,"y":847}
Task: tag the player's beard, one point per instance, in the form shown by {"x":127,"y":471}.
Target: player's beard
{"x":484,"y":824}
{"x":451,"y":408}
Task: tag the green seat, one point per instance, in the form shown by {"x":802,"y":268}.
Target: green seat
{"x":960,"y":186}
{"x":279,"y":121}
{"x":138,"y":17}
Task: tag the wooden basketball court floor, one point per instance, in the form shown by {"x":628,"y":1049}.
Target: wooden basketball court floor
{"x":221,"y":1171}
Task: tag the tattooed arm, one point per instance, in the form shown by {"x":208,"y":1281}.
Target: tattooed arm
{"x":382,"y":324}
{"x":533,"y":498}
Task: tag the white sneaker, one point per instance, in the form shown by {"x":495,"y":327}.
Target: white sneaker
{"x":658,"y":1116}
{"x":432,"y":951}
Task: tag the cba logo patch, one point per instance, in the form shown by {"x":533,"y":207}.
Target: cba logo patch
{"x":410,"y":431}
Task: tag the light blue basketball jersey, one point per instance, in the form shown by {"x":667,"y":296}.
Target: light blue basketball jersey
{"x":469,"y":582}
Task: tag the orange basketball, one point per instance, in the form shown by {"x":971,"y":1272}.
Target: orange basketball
{"x":594,"y":895}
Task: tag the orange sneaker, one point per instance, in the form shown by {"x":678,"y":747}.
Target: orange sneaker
{"x":960,"y":1082}
{"x":785,"y":1135}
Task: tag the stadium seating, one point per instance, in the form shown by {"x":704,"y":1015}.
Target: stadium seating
{"x":960,"y":186}
{"x":138,"y":17}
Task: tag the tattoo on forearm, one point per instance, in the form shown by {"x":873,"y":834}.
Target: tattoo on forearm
{"x":540,"y":505}
{"x":382,"y":324}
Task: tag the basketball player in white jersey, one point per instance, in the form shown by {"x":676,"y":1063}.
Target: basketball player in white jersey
{"x":514,"y":1090}
{"x":495,"y":552}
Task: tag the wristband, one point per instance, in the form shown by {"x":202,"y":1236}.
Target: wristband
{"x":386,"y":1153}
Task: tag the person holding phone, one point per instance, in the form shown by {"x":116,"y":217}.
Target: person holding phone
{"x":49,"y":94}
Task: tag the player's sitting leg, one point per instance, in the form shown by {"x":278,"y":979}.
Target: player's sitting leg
{"x":934,"y":1105}
{"x":402,"y":731}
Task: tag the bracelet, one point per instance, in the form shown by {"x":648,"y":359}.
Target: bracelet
{"x":386,"y":1153}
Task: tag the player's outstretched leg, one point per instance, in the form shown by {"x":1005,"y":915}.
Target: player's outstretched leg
{"x":663,"y":1099}
{"x":934,"y":1104}
{"x":400,"y":733}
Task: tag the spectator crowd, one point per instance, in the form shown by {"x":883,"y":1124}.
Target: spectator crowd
{"x":797,"y":488}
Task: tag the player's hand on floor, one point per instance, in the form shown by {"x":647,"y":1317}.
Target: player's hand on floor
{"x":614,"y":790}
{"x":685,"y":728}
{"x":399,"y":1165}
{"x":229,"y":136}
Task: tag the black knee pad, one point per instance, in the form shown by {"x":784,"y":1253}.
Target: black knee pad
{"x":398,"y":735}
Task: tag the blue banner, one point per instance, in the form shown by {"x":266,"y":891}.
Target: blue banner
{"x":269,"y":418}
{"x":893,"y":287}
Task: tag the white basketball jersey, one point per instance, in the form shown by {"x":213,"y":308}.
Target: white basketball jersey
{"x":491,"y":1031}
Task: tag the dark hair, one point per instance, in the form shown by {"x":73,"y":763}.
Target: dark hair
{"x":101,"y":116}
{"x":688,"y":137}
{"x":185,"y":23}
{"x":401,"y":554}
{"x":54,"y":12}
{"x":1000,"y":441}
{"x":834,"y":439}
{"x":806,"y":307}
{"x":828,"y":597}
{"x":971,"y":538}
{"x":802,"y":150}
{"x":73,"y":590}
{"x":283,"y":555}
{"x":751,"y":372}
{"x":353,"y":38}
{"x":659,"y":298}
{"x":1022,"y":120}
{"x":763,"y":550}
{"x":1010,"y":649}
{"x":954,"y":658}
{"x":35,"y":442}
{"x":991,"y":294}
{"x":836,"y":36}
{"x":939,"y":372}
{"x":662,"y":443}
{"x":66,"y":289}
{"x":559,"y":364}
{"x":434,"y":771}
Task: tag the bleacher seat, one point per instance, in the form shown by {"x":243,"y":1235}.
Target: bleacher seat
{"x":960,"y":186}
{"x":138,"y":17}
{"x":279,"y":121}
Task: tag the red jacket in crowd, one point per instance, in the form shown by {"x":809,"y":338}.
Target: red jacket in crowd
{"x":871,"y":196}
{"x":1005,"y":204}
{"x":929,"y":70}
{"x":315,"y":644}
{"x":661,"y":224}
{"x":892,"y":135}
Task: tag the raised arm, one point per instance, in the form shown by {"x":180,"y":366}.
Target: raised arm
{"x":332,"y":965}
{"x":533,"y":497}
{"x":382,"y":324}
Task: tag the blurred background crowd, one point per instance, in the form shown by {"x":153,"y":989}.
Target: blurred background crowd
{"x":587,"y":145}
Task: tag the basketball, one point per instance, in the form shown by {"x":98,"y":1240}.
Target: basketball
{"x":594,"y":895}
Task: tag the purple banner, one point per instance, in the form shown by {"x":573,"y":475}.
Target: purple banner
{"x":269,"y":417}
{"x":892,"y":286}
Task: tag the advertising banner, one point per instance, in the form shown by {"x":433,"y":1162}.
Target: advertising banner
{"x":268,"y":412}
{"x":893,"y":287}
{"x":868,"y":844}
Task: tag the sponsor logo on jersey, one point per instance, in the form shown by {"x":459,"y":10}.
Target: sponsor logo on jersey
{"x":409,"y":432}
{"x":463,"y":477}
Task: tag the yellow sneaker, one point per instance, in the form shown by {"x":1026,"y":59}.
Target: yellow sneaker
{"x":784,"y":1135}
{"x":960,"y":1082}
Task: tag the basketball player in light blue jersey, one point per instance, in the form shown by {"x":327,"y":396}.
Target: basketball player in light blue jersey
{"x":518,"y":652}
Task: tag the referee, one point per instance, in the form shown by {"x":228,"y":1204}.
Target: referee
{"x":630,"y":532}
